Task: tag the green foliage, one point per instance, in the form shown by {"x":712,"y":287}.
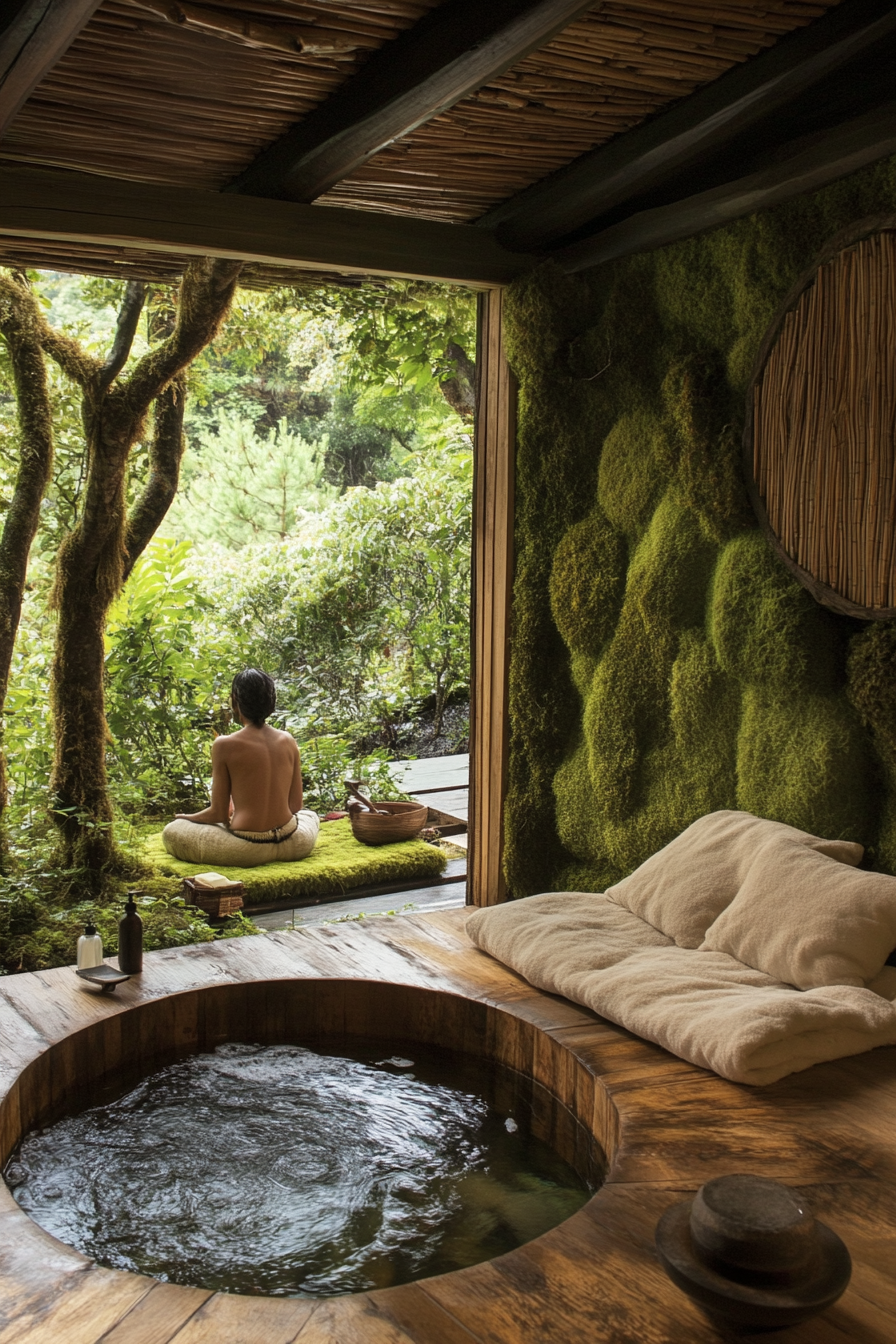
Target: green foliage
{"x":366,"y":614}
{"x":28,"y":735}
{"x":330,"y":759}
{"x":43,"y":910}
{"x":358,"y":453}
{"x":167,"y":682}
{"x":239,"y":488}
{"x":717,"y":682}
{"x":400,"y":331}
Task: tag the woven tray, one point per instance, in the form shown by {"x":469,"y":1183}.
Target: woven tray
{"x":218,"y":904}
{"x":404,"y":822}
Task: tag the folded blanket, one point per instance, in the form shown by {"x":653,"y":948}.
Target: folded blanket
{"x":706,"y":1007}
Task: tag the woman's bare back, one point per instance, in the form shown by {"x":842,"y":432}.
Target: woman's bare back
{"x":259,"y":772}
{"x":264,"y":777}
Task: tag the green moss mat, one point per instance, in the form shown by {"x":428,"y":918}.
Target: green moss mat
{"x":337,"y":864}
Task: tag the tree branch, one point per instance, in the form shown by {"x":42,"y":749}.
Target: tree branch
{"x":20,"y":323}
{"x":206,"y":293}
{"x":165,"y":454}
{"x":460,"y":391}
{"x":126,"y":330}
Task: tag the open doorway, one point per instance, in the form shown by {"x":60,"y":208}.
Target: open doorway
{"x":323,"y":528}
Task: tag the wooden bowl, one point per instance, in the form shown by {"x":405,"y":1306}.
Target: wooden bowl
{"x":404,"y":822}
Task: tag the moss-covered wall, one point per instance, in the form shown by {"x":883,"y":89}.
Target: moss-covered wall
{"x":664,"y":662}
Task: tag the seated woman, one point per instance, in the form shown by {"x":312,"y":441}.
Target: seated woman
{"x":256,"y":814}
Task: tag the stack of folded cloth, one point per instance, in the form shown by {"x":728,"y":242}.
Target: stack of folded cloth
{"x":214,"y":881}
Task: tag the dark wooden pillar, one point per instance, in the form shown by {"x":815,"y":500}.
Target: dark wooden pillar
{"x":492,"y":579}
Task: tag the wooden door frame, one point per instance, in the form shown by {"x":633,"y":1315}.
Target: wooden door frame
{"x":490,"y":602}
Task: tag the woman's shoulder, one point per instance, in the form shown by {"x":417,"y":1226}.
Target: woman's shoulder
{"x":286,"y":738}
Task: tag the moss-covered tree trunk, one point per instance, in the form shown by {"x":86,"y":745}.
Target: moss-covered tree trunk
{"x":20,"y":321}
{"x":101,"y":549}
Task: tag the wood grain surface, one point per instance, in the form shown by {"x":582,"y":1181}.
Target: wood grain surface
{"x":667,"y":1126}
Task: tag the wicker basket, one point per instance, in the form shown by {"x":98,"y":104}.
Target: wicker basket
{"x":404,"y":822}
{"x":217,"y":902}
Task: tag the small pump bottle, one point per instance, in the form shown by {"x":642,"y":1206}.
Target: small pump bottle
{"x":130,"y":938}
{"x":90,"y":948}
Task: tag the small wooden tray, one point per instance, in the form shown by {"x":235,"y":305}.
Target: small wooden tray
{"x":218,"y":902}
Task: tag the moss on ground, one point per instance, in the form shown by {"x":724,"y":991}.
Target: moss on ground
{"x":703,"y":676}
{"x":338,"y":863}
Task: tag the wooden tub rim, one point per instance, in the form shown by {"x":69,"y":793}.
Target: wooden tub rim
{"x":603,"y":1123}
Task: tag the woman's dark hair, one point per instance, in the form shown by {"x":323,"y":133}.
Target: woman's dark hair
{"x":255,"y":694}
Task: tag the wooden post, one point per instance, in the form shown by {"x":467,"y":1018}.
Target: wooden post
{"x":494,"y":452}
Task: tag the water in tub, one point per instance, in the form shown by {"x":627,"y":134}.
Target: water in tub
{"x":293,"y":1171}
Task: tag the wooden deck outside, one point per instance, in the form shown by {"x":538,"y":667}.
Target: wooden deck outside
{"x":443,"y":783}
{"x":667,"y":1127}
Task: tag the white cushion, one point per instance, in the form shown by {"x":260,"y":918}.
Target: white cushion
{"x":808,"y":920}
{"x":685,"y":886}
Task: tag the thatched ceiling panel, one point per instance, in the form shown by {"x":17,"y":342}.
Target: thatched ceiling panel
{"x":138,"y":96}
{"x":131,"y":263}
{"x":603,"y":75}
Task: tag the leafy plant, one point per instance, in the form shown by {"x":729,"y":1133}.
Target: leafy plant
{"x":168,"y":682}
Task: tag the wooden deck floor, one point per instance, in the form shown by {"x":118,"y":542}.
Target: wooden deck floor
{"x":442,"y":782}
{"x":668,"y":1126}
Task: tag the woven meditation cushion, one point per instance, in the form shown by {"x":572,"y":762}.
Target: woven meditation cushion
{"x":683,"y":888}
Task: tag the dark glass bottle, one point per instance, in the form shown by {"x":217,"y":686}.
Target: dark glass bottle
{"x":130,"y":938}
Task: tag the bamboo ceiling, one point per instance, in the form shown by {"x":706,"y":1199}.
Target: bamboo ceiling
{"x":194,"y":102}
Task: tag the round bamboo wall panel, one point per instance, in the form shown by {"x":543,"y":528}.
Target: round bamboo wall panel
{"x":821,"y":426}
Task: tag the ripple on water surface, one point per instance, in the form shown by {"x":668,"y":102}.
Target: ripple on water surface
{"x":279,"y":1169}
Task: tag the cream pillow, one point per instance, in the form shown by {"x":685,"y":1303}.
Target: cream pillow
{"x":682,"y":888}
{"x":808,"y":920}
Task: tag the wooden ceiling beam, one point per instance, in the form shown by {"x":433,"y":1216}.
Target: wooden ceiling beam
{"x":81,"y":207}
{"x":652,"y":156}
{"x":39,"y":33}
{"x":452,"y":51}
{"x":799,"y":168}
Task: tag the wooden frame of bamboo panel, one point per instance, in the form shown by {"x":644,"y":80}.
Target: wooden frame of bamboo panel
{"x":822,"y":592}
{"x":495,"y":443}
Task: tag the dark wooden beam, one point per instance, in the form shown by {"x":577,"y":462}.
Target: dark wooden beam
{"x":800,"y":168}
{"x":658,"y":152}
{"x":39,"y":33}
{"x":451,"y":52}
{"x":80,"y":207}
